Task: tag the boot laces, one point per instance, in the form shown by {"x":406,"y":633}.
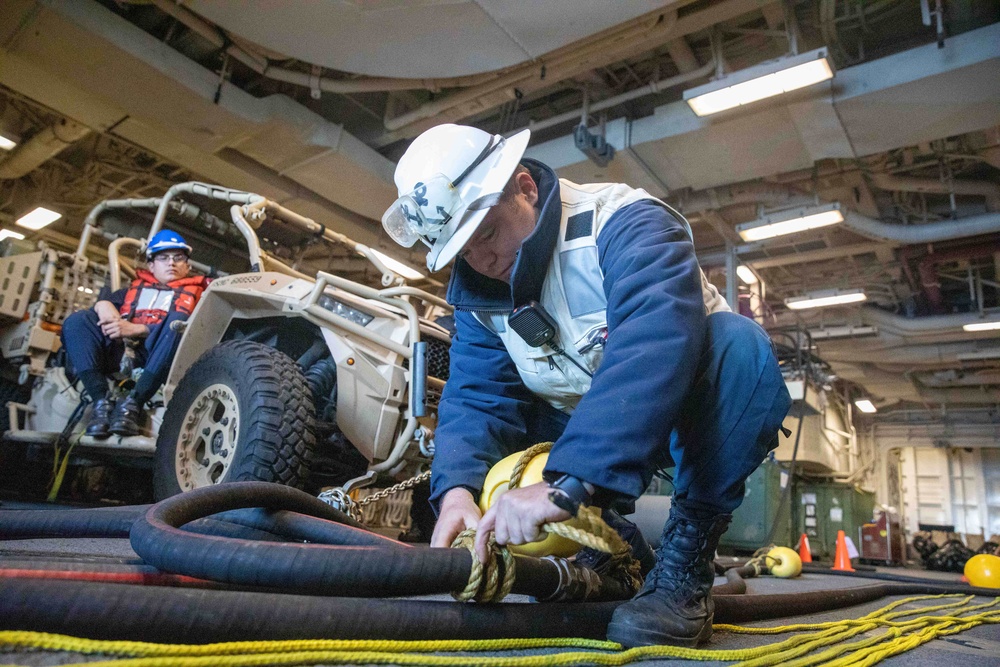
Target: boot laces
{"x":684,"y":557}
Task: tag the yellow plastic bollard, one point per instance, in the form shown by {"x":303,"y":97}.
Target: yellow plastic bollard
{"x":496,"y":484}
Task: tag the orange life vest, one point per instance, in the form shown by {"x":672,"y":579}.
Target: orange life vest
{"x":149,"y":301}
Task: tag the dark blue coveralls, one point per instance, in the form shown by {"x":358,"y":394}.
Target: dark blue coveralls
{"x":92,"y":354}
{"x":676,"y":387}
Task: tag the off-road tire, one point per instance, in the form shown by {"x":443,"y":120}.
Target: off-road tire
{"x":275,"y":434}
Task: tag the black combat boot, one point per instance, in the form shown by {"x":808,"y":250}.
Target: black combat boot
{"x":100,"y":418}
{"x":127,"y":416}
{"x":675,"y":605}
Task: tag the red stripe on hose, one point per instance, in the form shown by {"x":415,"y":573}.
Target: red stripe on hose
{"x":141,"y":578}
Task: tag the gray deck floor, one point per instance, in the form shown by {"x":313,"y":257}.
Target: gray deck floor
{"x":976,"y":647}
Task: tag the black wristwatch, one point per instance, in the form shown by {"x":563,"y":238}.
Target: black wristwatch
{"x":568,"y":493}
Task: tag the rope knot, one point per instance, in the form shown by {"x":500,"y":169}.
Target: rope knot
{"x":499,"y":570}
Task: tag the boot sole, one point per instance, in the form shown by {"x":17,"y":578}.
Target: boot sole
{"x":632,"y":637}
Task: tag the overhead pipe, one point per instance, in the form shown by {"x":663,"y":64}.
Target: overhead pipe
{"x":888,"y":234}
{"x":643,"y":91}
{"x":556,"y":66}
{"x":918,"y":326}
{"x":46,"y":144}
{"x":931,"y":286}
{"x":901,"y":386}
{"x":567,"y":62}
{"x":740,"y":193}
{"x":261,"y":66}
{"x":823,"y":254}
{"x":961,"y":395}
{"x":991,"y":191}
{"x":903,"y":353}
{"x":932,"y":232}
{"x":596,"y":51}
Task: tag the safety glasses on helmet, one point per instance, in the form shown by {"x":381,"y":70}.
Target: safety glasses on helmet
{"x":423,"y":212}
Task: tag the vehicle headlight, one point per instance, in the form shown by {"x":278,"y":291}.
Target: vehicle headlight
{"x":343,"y":310}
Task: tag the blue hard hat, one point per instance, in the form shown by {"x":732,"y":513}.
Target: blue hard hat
{"x":166,"y":240}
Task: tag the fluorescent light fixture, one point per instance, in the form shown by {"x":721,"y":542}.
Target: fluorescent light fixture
{"x":982,"y":326}
{"x":791,"y":221}
{"x":6,"y":143}
{"x":38,"y":218}
{"x":760,"y":81}
{"x":833,"y":297}
{"x":8,"y":234}
{"x":980,"y":355}
{"x":845,"y":331}
{"x":408,"y":272}
{"x":746,"y":275}
{"x":865,"y":406}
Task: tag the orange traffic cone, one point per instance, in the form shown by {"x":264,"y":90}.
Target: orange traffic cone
{"x":841,"y":561}
{"x":805,"y":553}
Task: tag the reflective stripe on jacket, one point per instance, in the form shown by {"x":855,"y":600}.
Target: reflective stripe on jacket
{"x":573,"y":294}
{"x":656,"y":317}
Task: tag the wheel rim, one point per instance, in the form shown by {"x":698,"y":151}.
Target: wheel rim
{"x":206,"y":444}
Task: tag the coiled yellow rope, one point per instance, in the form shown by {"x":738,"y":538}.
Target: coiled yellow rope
{"x":500,"y":571}
{"x":797,"y":651}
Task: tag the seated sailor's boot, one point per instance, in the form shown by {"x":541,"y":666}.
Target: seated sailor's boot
{"x":100,"y":418}
{"x":675,"y":605}
{"x":600,"y":561}
{"x":127,"y":417}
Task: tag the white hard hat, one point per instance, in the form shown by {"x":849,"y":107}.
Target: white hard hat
{"x":448,"y":179}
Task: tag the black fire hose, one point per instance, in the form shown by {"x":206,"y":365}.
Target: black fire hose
{"x":97,"y":522}
{"x":882,"y":576}
{"x":199,"y":616}
{"x":249,"y":524}
{"x":118,"y":611}
{"x":169,"y":615}
{"x":320,"y":569}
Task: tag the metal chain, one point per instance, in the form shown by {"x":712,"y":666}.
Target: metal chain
{"x":337,"y":499}
{"x":402,"y":486}
{"x":355,"y":509}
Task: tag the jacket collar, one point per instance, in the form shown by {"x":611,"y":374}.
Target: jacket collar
{"x":470,"y":290}
{"x":146,"y":277}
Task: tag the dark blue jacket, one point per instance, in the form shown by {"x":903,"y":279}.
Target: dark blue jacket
{"x":619,"y":433}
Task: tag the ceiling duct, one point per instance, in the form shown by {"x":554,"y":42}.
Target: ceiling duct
{"x":932,"y":232}
{"x":906,"y":99}
{"x":620,"y":42}
{"x":991,"y":191}
{"x":934,"y":326}
{"x":46,"y":144}
{"x":260,"y":64}
{"x":886,"y":235}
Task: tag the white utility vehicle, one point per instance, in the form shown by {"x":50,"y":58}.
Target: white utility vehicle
{"x":306,"y":380}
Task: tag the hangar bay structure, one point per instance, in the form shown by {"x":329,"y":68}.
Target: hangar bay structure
{"x":897,"y":151}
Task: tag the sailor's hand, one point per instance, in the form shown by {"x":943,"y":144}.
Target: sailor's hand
{"x":517,"y":517}
{"x":106,"y":312}
{"x":458,"y":512}
{"x":124,"y":329}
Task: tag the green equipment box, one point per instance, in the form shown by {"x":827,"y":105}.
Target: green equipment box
{"x":752,"y":520}
{"x":823,"y":508}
